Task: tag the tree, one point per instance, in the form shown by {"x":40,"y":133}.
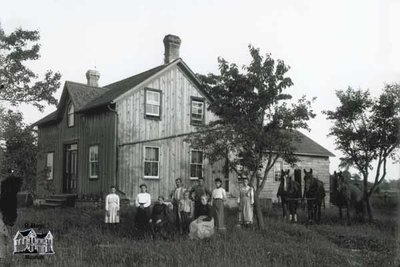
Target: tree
{"x":255,"y":122}
{"x":367,"y":130}
{"x":18,"y":83}
{"x":20,"y":149}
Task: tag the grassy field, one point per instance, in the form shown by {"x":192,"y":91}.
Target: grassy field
{"x":81,"y":239}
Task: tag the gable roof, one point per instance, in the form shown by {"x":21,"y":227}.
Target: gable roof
{"x":26,"y":232}
{"x":85,"y":97}
{"x":79,"y":93}
{"x":308,"y":147}
{"x":116,"y":89}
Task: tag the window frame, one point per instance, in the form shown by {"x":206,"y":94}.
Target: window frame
{"x":92,"y":177}
{"x":52,"y":166}
{"x":144,"y":162}
{"x":70,"y":114}
{"x":193,"y":121}
{"x":279,"y":172}
{"x":190,"y":163}
{"x":151,"y":116}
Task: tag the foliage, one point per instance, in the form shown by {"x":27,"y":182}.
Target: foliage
{"x":19,"y":148}
{"x":256,"y":120}
{"x":18,"y":83}
{"x":367,"y":130}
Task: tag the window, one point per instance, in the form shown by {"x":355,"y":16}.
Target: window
{"x":196,"y":164}
{"x":277,"y":171}
{"x":152,"y":103}
{"x":151,"y":162}
{"x":197,"y":111}
{"x":49,"y":165}
{"x":71,"y":115}
{"x":94,"y":161}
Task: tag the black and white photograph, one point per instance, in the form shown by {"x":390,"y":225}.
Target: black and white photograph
{"x":199,"y":133}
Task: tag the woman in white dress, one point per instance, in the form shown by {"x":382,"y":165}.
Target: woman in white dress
{"x":112,"y":207}
{"x":246,"y":201}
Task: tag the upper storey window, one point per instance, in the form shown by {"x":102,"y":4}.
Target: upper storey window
{"x":152,"y":103}
{"x":71,"y":115}
{"x":197,"y":111}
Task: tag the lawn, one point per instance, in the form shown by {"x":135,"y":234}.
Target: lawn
{"x":81,"y":239}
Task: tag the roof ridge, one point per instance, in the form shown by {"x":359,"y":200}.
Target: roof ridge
{"x":84,"y":84}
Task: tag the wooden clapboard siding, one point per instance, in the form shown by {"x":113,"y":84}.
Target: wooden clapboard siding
{"x":168,"y":133}
{"x":174,"y":163}
{"x":97,"y":128}
{"x":320,"y":166}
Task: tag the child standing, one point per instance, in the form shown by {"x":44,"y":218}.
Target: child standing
{"x":217,"y":201}
{"x":112,"y":207}
{"x":186,"y":210}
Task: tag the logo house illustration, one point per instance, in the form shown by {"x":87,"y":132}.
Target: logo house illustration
{"x":30,"y":242}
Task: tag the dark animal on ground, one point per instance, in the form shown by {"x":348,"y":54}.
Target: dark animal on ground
{"x":289,"y":192}
{"x":347,"y":195}
{"x":314,"y":193}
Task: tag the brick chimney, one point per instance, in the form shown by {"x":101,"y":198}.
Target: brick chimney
{"x":171,"y":44}
{"x":93,"y":77}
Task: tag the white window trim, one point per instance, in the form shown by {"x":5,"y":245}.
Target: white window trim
{"x":90,"y":162}
{"x":202,"y":114}
{"x":153,"y":103}
{"x":144,"y":162}
{"x":52,"y":166}
{"x":190,"y":164}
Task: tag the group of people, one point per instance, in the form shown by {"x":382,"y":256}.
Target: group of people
{"x":198,"y":212}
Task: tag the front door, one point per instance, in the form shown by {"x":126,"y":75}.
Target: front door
{"x":70,"y":168}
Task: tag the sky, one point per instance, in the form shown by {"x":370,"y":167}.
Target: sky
{"x":329,"y":45}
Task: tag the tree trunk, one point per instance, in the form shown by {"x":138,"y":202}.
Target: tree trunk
{"x":258,"y":211}
{"x":366,"y":199}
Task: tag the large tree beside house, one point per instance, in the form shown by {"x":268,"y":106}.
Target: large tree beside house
{"x":18,"y":83}
{"x":367,"y":132}
{"x":257,"y":119}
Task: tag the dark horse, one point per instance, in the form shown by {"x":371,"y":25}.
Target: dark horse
{"x":314,"y":192}
{"x":289,"y":191}
{"x":347,"y":195}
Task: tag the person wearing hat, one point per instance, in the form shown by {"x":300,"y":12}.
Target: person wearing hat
{"x":197,"y":192}
{"x":217,"y":202}
{"x":246,"y":201}
{"x":142,"y":203}
{"x":112,"y":207}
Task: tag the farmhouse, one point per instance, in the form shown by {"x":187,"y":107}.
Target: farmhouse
{"x":132,"y":132}
{"x":28,"y":241}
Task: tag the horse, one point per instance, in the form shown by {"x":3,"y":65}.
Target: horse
{"x":314,"y":193}
{"x":347,"y":195}
{"x":289,"y":191}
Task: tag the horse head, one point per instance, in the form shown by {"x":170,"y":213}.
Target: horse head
{"x":308,"y":177}
{"x":339,"y":181}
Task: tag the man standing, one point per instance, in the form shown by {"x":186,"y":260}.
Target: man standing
{"x":197,"y":192}
{"x":176,"y":195}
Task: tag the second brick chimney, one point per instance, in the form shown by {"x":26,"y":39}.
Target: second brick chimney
{"x":93,"y":77}
{"x":171,"y":45}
